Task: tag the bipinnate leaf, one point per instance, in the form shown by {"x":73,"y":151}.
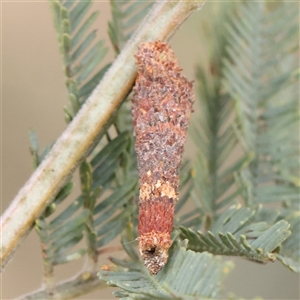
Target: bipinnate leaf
{"x":109,"y":197}
{"x":61,"y":235}
{"x":187,"y":275}
{"x":262,"y":83}
{"x":249,"y":96}
{"x":80,"y":50}
{"x":126,"y":15}
{"x":236,"y":234}
{"x":187,"y":185}
{"x":289,"y":253}
{"x":67,"y":213}
{"x":37,"y":158}
{"x":105,"y":161}
{"x":82,"y":54}
{"x":216,"y":162}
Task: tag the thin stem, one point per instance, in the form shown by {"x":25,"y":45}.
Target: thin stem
{"x":80,"y":136}
{"x":47,"y":254}
{"x":85,"y":171}
{"x":82,"y":284}
{"x":91,"y":244}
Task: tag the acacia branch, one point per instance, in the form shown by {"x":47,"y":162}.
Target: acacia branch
{"x":80,"y":136}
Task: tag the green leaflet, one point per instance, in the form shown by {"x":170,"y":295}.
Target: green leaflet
{"x":64,"y":193}
{"x":258,"y":82}
{"x":110,"y":214}
{"x":186,"y":186}
{"x":62,"y":259}
{"x":107,"y":224}
{"x":105,"y":161}
{"x":37,"y":159}
{"x":78,"y":13}
{"x":116,"y":197}
{"x":67,"y":213}
{"x":289,"y":253}
{"x":57,"y":241}
{"x":84,"y":28}
{"x":88,"y":87}
{"x":236,"y":234}
{"x":114,"y":145}
{"x":248,"y":97}
{"x":70,"y":225}
{"x":113,"y":228}
{"x":81,"y":53}
{"x":187,"y":275}
{"x":66,"y":230}
{"x":125,"y":18}
{"x":212,"y":130}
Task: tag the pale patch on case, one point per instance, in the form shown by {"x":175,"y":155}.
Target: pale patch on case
{"x":159,"y":189}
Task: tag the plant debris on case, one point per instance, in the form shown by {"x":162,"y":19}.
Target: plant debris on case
{"x":162,"y":105}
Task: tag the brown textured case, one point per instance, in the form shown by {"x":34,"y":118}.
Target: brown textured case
{"x":162,"y":104}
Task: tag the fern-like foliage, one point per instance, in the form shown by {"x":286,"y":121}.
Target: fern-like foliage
{"x":100,"y":196}
{"x":184,"y":215}
{"x":81,"y":53}
{"x":234,"y":233}
{"x":60,"y":235}
{"x":289,"y":253}
{"x":114,"y":207}
{"x":212,"y":129}
{"x":260,"y":79}
{"x":105,"y":204}
{"x":187,"y":275}
{"x":126,"y":15}
{"x":241,"y":92}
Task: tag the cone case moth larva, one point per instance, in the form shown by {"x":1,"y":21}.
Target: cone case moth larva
{"x":161,"y":108}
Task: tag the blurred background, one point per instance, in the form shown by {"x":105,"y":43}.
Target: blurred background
{"x":33,"y":97}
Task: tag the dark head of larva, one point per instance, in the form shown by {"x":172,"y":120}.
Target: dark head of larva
{"x":154,"y":247}
{"x":161,"y":107}
{"x":155,"y":258}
